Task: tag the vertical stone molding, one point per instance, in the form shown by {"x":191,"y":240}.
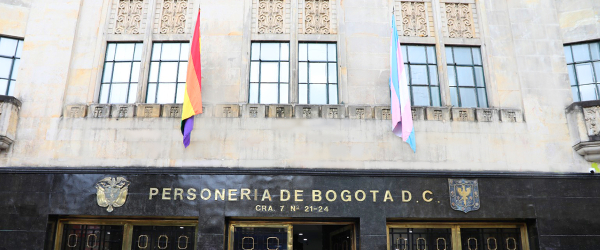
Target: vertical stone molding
{"x":318,"y":17}
{"x":173,"y":18}
{"x":415,"y":21}
{"x":459,"y":20}
{"x":270,"y":16}
{"x":129,"y":16}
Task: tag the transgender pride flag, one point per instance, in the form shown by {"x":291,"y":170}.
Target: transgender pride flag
{"x":402,"y":123}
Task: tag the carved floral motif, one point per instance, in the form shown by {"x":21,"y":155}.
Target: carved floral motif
{"x":129,"y":16}
{"x":459,"y":18}
{"x":173,"y":17}
{"x":316,"y":20}
{"x":414,"y":19}
{"x":592,"y":117}
{"x":270,"y":17}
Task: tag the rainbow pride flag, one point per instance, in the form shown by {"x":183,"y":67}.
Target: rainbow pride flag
{"x":192,"y":99}
{"x":402,"y":123}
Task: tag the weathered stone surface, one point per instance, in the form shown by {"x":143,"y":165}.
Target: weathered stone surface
{"x":148,"y":110}
{"x":360,"y":112}
{"x":227,"y":110}
{"x":99,"y":110}
{"x":122,"y":111}
{"x":279,"y":111}
{"x":418,"y":113}
{"x":333,"y":111}
{"x":75,"y":111}
{"x":487,"y":115}
{"x":463,"y":114}
{"x":9,"y":117}
{"x":172,"y":110}
{"x":437,"y":114}
{"x":254,"y":110}
{"x":511,"y":115}
{"x":307,"y":111}
{"x":383,"y":113}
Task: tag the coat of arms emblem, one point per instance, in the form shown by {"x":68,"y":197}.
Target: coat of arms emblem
{"x":112,"y":192}
{"x":464,"y":195}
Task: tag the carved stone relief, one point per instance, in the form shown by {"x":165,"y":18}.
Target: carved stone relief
{"x":414,"y":19}
{"x":129,"y":16}
{"x":459,"y":20}
{"x":592,"y":117}
{"x":270,"y":16}
{"x":317,"y":17}
{"x":174,"y":16}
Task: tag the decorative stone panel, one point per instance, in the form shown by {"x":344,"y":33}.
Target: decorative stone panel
{"x":254,"y":110}
{"x":437,"y":114}
{"x":591,"y":117}
{"x":148,"y":110}
{"x":418,"y":113}
{"x":227,"y":110}
{"x":414,"y":18}
{"x":122,"y":111}
{"x":459,"y":20}
{"x":172,"y":110}
{"x":360,"y":112}
{"x":271,"y":16}
{"x":317,"y":17}
{"x":9,"y":117}
{"x":128,"y":17}
{"x":75,"y":111}
{"x":173,"y":17}
{"x":333,"y":111}
{"x":487,"y":115}
{"x":511,"y":115}
{"x":463,"y":114}
{"x":582,"y":119}
{"x":279,"y":111}
{"x":99,"y":111}
{"x":307,"y":111}
{"x":383,"y":113}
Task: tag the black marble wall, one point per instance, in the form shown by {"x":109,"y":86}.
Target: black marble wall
{"x":560,"y":209}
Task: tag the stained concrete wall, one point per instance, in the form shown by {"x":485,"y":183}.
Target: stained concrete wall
{"x":579,"y":20}
{"x":525,"y":70}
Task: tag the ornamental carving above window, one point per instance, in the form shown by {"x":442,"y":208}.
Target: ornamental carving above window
{"x":459,"y":20}
{"x":317,"y":19}
{"x":270,"y":16}
{"x":414,"y":19}
{"x":173,"y":17}
{"x":129,"y":16}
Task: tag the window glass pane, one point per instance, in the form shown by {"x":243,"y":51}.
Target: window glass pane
{"x":333,"y":94}
{"x":156,"y":51}
{"x":452,"y":75}
{"x":166,"y":93}
{"x":19,"y":49}
{"x":431,"y":54}
{"x":121,"y":72}
{"x":182,"y":75}
{"x":254,"y":71}
{"x":476,"y":56}
{"x":331,"y":53}
{"x":284,"y":72}
{"x":435,"y":96}
{"x":302,"y":72}
{"x":269,"y":51}
{"x":317,"y":52}
{"x":581,"y":52}
{"x":317,"y":73}
{"x":135,"y":72}
{"x":595,"y":51}
{"x":137,"y":56}
{"x":482,"y":97}
{"x":462,"y":55}
{"x":584,"y":73}
{"x":404,"y":53}
{"x":597,"y":69}
{"x":433,"y":76}
{"x":302,"y":52}
{"x":253,"y":93}
{"x":185,"y":51}
{"x":180,"y":92}
{"x":118,"y":92}
{"x":465,"y":76}
{"x":572,"y":74}
{"x":255,"y":51}
{"x":479,"y":77}
{"x":318,"y":94}
{"x":8,"y":47}
{"x":124,"y":52}
{"x":132,"y":93}
{"x":5,"y":65}
{"x":416,"y":54}
{"x":575,"y":93}
{"x":153,"y":72}
{"x":168,"y":72}
{"x":302,"y":94}
{"x":588,"y":92}
{"x":104,"y":93}
{"x":107,"y":72}
{"x":283,"y":93}
{"x":268,"y":93}
{"x":454,"y":96}
{"x":418,"y":74}
{"x":468,"y":99}
{"x":285,"y":51}
{"x":151,"y":98}
{"x":11,"y":87}
{"x":170,"y":51}
{"x":110,"y":52}
{"x":332,"y":72}
{"x":3,"y":87}
{"x":568,"y":54}
{"x":420,"y":96}
{"x":269,"y":72}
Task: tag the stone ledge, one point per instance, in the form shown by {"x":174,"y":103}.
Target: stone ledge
{"x":9,"y":117}
{"x":590,"y":150}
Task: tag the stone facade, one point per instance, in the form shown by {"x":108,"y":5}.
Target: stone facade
{"x":525,"y":128}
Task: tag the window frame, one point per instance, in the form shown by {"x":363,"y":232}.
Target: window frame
{"x":595,"y":77}
{"x":327,"y":62}
{"x":103,"y":71}
{"x":427,"y":64}
{"x":473,"y":67}
{"x":160,"y":61}
{"x":13,"y":58}
{"x":279,"y":82}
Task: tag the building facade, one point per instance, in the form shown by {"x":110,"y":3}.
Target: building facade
{"x":294,"y":148}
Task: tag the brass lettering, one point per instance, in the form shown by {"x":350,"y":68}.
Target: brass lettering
{"x":231,"y":195}
{"x":245,"y":193}
{"x":425,"y":196}
{"x":345,"y":195}
{"x":191,"y":194}
{"x":330,"y":192}
{"x":202,"y":194}
{"x":165,"y":193}
{"x":178,"y":192}
{"x":374,"y":192}
{"x":220,"y":194}
{"x":388,"y":196}
{"x":404,"y":196}
{"x":255,"y":191}
{"x":360,"y":192}
{"x":266,"y":195}
{"x":298,"y":195}
{"x":153,"y":192}
{"x":284,"y":195}
{"x":257,"y":208}
{"x":316,"y":195}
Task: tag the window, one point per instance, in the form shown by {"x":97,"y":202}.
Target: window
{"x":168,"y":72}
{"x":269,"y":73}
{"x":317,"y":73}
{"x":583,"y":63}
{"x":465,"y":76}
{"x":421,"y":67}
{"x":10,"y":56}
{"x":121,"y":73}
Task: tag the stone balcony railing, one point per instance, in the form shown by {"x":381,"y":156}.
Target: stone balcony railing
{"x":283,"y":111}
{"x":9,"y":116}
{"x":584,"y":127}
